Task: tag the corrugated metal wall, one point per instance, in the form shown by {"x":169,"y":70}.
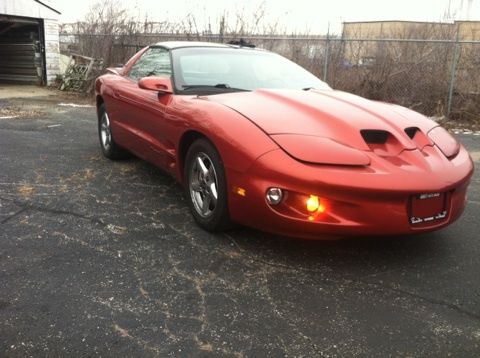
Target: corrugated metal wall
{"x":18,"y":63}
{"x":20,"y":52}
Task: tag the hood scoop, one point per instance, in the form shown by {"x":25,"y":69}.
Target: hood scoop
{"x":411,"y":132}
{"x":382,"y":142}
{"x":385,"y":144}
{"x":374,"y":136}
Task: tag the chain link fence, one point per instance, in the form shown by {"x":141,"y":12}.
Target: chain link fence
{"x":435,"y":77}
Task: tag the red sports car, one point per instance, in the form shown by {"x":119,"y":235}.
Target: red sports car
{"x":257,"y":140}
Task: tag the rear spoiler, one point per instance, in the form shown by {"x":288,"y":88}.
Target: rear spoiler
{"x":115,"y":70}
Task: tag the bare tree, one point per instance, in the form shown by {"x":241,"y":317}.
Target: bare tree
{"x":414,"y":74}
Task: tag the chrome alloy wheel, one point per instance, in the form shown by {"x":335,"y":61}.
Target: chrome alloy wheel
{"x":203,"y":185}
{"x":105,"y":132}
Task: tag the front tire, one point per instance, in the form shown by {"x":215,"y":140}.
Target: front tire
{"x":110,"y":148}
{"x":206,"y":187}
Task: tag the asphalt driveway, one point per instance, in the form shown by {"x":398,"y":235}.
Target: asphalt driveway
{"x":102,"y":258}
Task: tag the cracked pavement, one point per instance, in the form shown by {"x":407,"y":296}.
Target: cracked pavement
{"x":101,"y":258}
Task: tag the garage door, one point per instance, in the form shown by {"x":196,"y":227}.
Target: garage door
{"x":20,"y":50}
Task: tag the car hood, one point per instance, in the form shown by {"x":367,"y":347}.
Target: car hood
{"x":339,"y":116}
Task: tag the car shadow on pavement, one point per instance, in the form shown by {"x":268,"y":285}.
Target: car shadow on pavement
{"x":355,"y":255}
{"x":359,"y":253}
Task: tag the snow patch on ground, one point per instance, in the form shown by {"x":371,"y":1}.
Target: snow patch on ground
{"x":75,"y":105}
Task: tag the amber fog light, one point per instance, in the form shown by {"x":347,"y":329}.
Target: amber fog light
{"x":313,"y":203}
{"x":274,"y":196}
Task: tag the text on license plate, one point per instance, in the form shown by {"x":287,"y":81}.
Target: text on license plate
{"x":428,"y":207}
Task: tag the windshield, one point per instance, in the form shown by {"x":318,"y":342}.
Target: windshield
{"x":230,"y":69}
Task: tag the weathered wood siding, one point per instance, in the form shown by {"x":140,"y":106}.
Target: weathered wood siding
{"x":52,"y":49}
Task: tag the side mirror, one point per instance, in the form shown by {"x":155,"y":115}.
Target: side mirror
{"x":160,"y":84}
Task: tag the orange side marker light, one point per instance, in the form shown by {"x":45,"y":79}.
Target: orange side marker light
{"x":240,"y":191}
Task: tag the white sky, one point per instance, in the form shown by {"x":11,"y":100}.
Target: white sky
{"x":294,"y":15}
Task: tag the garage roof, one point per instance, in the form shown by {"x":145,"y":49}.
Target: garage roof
{"x":36,"y":9}
{"x":47,"y":6}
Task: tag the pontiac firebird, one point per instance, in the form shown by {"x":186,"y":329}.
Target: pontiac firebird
{"x":257,"y":140}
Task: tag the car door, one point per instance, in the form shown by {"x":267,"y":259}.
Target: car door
{"x":143,"y":112}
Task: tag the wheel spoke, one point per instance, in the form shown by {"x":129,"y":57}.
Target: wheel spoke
{"x":213,"y":192}
{"x":201,"y":166}
{"x":206,"y":204}
{"x":195,"y":186}
{"x":203,"y":185}
{"x":106,"y":135}
{"x":211,"y":173}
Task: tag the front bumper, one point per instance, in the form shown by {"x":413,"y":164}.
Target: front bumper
{"x":373,"y":200}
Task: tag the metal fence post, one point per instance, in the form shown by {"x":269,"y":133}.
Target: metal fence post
{"x":452,"y":75}
{"x":327,"y":55}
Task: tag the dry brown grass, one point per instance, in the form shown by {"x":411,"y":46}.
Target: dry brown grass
{"x":13,"y":112}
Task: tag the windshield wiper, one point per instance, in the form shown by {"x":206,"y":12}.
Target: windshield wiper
{"x":218,"y":85}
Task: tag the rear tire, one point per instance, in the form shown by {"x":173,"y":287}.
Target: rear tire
{"x":110,"y":148}
{"x":206,"y":186}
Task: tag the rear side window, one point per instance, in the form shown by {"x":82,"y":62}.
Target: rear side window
{"x":154,"y":62}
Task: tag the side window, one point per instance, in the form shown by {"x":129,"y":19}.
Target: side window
{"x":154,"y":62}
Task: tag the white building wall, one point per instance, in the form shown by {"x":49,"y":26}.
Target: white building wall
{"x":52,"y":49}
{"x":33,"y":9}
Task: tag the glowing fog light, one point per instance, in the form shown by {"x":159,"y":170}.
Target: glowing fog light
{"x":274,"y":196}
{"x":314,"y":204}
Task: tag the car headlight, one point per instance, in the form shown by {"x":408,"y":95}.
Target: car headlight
{"x":444,"y":141}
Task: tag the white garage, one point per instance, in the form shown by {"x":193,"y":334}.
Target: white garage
{"x":29,"y":48}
